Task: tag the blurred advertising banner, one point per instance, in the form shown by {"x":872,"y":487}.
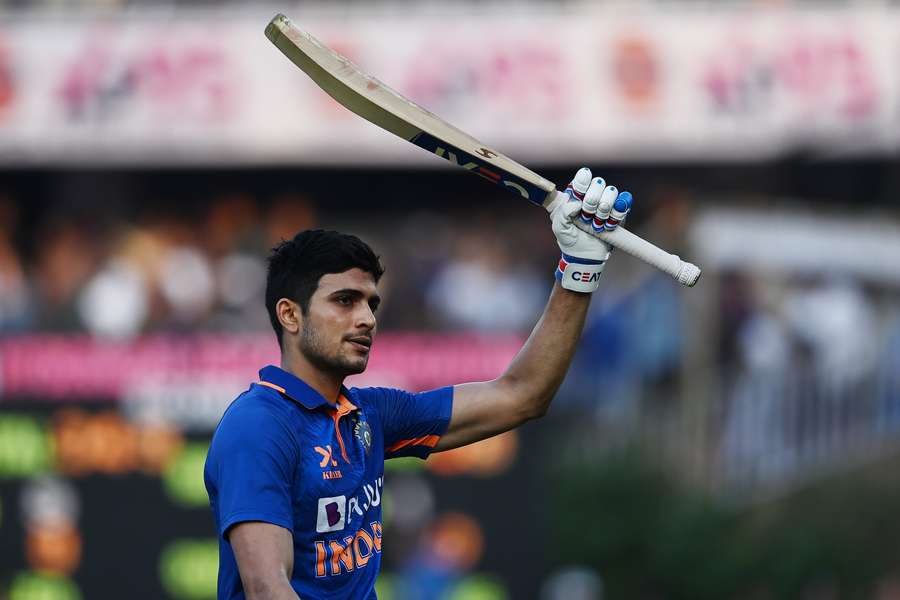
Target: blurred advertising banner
{"x":549,"y":86}
{"x":190,"y":380}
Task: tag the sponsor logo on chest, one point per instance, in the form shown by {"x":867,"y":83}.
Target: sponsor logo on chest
{"x":354,"y":550}
{"x":334,"y":511}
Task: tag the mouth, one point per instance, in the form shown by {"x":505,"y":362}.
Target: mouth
{"x":361,"y":342}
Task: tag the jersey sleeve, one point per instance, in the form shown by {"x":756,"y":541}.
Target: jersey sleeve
{"x":250,"y":466}
{"x":412,"y":422}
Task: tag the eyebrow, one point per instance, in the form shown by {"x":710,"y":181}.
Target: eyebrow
{"x":356,"y":294}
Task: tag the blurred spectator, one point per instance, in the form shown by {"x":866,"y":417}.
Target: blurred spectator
{"x":14,"y":301}
{"x":764,"y":346}
{"x":114,"y":303}
{"x":836,"y":322}
{"x":755,"y":441}
{"x":450,"y":547}
{"x":242,"y":279}
{"x":631,"y":349}
{"x":735,"y":306}
{"x":14,"y":293}
{"x":186,"y":282}
{"x":482,"y":287}
{"x":288,"y":215}
{"x":415,"y":251}
{"x":232,"y":223}
{"x":67,"y":255}
{"x":887,"y":391}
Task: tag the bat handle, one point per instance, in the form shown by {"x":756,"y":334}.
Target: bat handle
{"x":684,"y":272}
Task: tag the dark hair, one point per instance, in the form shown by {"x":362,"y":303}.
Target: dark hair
{"x":296,"y":265}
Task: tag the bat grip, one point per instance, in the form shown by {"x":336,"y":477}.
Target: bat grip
{"x":684,"y":272}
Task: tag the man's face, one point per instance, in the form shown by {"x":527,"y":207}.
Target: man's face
{"x":336,"y":333}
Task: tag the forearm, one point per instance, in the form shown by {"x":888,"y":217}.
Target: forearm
{"x":524,"y":391}
{"x":265,"y":556}
{"x":537,"y":371}
{"x":270,"y":590}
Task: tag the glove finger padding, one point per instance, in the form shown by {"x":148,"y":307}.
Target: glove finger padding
{"x":604,"y":207}
{"x":565,"y":231}
{"x":619,"y":211}
{"x":592,"y":199}
{"x":579,"y":185}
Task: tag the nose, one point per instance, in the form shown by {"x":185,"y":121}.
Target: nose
{"x":365,"y":318}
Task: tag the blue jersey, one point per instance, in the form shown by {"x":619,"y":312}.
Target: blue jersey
{"x":282,"y":454}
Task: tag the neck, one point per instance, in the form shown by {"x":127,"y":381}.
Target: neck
{"x":327,"y":384}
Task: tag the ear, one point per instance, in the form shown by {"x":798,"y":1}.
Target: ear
{"x":289,"y":315}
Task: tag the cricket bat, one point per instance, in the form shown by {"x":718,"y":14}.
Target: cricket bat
{"x":379,"y":104}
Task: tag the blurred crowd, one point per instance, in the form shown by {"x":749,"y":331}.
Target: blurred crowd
{"x":183,"y":268}
{"x":807,"y":372}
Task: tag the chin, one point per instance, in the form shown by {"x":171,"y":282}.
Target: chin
{"x":357,"y":369}
{"x":354,"y":367}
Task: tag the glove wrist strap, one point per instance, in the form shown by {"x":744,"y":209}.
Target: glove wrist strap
{"x":579,"y":274}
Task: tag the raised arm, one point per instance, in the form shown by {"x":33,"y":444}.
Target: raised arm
{"x":526,"y":388}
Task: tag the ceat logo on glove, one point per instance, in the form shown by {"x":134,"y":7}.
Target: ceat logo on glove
{"x":585,"y":277}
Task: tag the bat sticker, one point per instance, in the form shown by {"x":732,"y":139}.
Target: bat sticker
{"x":471,"y":163}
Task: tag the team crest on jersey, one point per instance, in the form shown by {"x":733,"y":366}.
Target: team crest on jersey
{"x":363,"y":432}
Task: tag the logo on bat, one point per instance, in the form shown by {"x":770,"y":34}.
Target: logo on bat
{"x":473,"y":163}
{"x":479,"y":170}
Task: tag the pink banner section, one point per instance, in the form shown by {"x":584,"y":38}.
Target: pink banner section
{"x":53,"y":367}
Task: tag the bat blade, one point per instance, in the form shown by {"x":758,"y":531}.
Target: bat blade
{"x":379,"y":104}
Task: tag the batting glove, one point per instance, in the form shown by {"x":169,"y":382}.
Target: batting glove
{"x":601,"y":207}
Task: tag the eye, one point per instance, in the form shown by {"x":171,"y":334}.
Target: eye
{"x":344,"y":300}
{"x":374,"y":306}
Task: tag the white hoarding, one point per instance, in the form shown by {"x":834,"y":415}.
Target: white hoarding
{"x":591,"y":84}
